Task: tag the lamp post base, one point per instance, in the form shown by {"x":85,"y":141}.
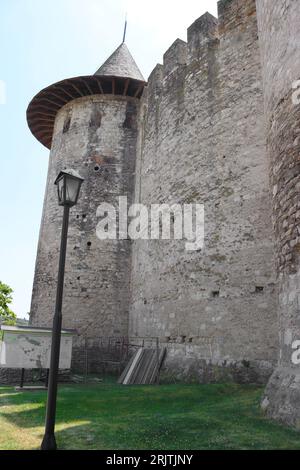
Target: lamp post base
{"x":49,"y":442}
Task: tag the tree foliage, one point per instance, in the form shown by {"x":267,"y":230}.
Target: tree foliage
{"x":7,"y":316}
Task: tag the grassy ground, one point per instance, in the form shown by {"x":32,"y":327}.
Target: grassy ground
{"x":111,"y":416}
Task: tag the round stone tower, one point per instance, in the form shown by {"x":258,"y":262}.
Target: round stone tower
{"x":279,"y":33}
{"x":90,"y":124}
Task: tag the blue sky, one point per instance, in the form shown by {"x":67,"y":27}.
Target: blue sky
{"x":43,"y":41}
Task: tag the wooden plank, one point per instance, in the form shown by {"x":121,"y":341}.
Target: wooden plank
{"x":127,"y":81}
{"x":53,"y":103}
{"x":134,"y":362}
{"x":75,"y":88}
{"x":64,"y":100}
{"x":43,"y":108}
{"x":99,"y":85}
{"x":87,"y":86}
{"x":65,"y":91}
{"x":143,"y":367}
{"x":139,"y":89}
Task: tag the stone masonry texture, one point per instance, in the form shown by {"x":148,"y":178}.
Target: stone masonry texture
{"x":279,"y":36}
{"x":216,"y":125}
{"x":96,"y":136}
{"x":202,"y":140}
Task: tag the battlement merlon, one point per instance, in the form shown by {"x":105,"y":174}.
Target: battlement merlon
{"x":203,"y":31}
{"x":175,"y":56}
{"x":206,"y":26}
{"x":155,"y":81}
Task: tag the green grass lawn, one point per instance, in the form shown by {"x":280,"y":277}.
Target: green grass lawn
{"x":111,"y":416}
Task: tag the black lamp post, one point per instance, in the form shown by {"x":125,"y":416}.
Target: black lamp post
{"x":68,"y":186}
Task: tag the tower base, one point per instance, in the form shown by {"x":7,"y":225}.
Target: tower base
{"x":281,"y":399}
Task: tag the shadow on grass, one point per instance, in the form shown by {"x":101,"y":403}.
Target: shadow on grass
{"x":219,"y":416}
{"x":115,"y":402}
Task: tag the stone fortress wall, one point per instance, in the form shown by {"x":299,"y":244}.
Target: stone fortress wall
{"x":279,"y":38}
{"x":202,"y":140}
{"x":215,"y":125}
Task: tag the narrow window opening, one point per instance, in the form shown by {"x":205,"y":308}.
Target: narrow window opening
{"x":95,"y":120}
{"x":259,"y":289}
{"x":215,"y":293}
{"x":66,"y":125}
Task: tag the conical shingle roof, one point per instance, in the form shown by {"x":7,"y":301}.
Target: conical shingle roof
{"x":120,"y":64}
{"x":119,"y":75}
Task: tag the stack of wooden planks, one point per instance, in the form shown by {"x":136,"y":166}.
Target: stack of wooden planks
{"x":143,"y":367}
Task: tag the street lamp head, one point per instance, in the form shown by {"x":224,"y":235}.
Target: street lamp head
{"x":68,"y":184}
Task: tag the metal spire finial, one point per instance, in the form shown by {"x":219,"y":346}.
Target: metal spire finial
{"x":125,"y":27}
